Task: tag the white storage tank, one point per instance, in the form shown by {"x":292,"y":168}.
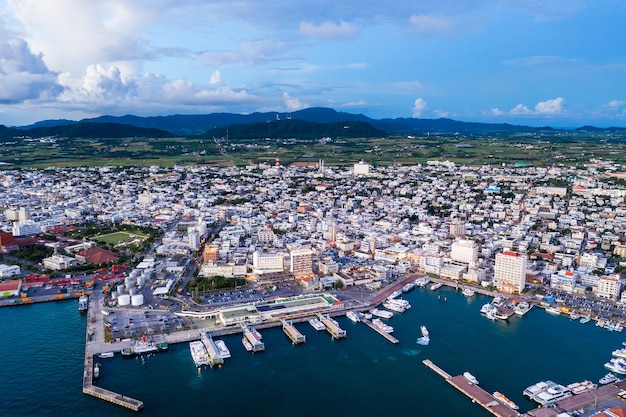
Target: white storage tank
{"x":113,"y":295}
{"x":120,"y":289}
{"x":129,"y":283}
{"x":123,"y":299}
{"x":141,"y":280}
{"x":137,"y":300}
{"x":132,"y":292}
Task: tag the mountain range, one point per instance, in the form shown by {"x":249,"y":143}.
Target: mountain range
{"x":319,"y":122}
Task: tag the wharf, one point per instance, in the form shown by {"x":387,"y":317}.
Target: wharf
{"x":473,"y":391}
{"x":253,"y":337}
{"x":380,"y":332}
{"x":293,"y":333}
{"x":214,"y":356}
{"x":331,"y":327}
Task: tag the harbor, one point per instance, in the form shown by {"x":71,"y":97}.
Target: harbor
{"x":294,"y":334}
{"x":378,"y":330}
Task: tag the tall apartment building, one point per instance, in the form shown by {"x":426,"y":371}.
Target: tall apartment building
{"x":265,"y":235}
{"x":457,"y":228}
{"x":301,"y":262}
{"x":211,"y":253}
{"x":510,"y":272}
{"x":264,"y":262}
{"x":608,"y":287}
{"x":464,"y":250}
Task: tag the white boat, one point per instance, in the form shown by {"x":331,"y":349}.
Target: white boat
{"x":553,"y":310}
{"x":616,"y":365}
{"x":381,"y":313}
{"x":316,"y":324}
{"x":436,"y":286}
{"x":198,"y":353}
{"x":608,"y":378}
{"x":574,"y":316}
{"x":106,"y":355}
{"x":491,"y":315}
{"x":395,"y":294}
{"x":400,"y":302}
{"x":424,"y":331}
{"x":585,"y":319}
{"x":468,"y":292}
{"x":581,"y":387}
{"x":486,"y":308}
{"x":537,"y":388}
{"x":222,"y":348}
{"x":393,"y":307}
{"x":522,"y":308}
{"x":504,"y":400}
{"x":552,"y":395}
{"x":83,"y":303}
{"x":619,"y":353}
{"x":422,"y":281}
{"x":353,"y":316}
{"x":471,"y":378}
{"x":408,"y":287}
{"x":246,"y":344}
{"x":382,"y":326}
{"x":497,"y":301}
{"x":96,"y":371}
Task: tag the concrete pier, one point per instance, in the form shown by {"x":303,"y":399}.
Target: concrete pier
{"x":331,"y":327}
{"x":214,"y":357}
{"x":293,"y":333}
{"x":380,"y":332}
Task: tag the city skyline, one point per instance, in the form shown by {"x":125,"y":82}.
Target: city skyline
{"x":526,"y":62}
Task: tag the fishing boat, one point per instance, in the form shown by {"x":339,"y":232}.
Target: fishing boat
{"x":96,"y":371}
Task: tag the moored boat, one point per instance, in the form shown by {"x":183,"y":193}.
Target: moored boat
{"x":316,"y":324}
{"x":106,"y":355}
{"x":619,"y":353}
{"x":381,"y":313}
{"x":553,"y":310}
{"x":585,"y":319}
{"x":471,"y":378}
{"x":552,"y":395}
{"x":382,"y":325}
{"x":394,"y":307}
{"x":616,"y":365}
{"x":83,"y":303}
{"x":504,"y":400}
{"x":436,"y":286}
{"x":522,"y":308}
{"x":581,"y":387}
{"x":608,"y":378}
{"x":468,"y":292}
{"x":96,"y":371}
{"x":353,"y":316}
{"x":198,"y":353}
{"x":538,"y":388}
{"x":222,"y":348}
{"x":422,"y":281}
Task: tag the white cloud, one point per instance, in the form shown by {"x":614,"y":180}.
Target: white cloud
{"x":494,"y":111}
{"x":615,"y":104}
{"x":24,"y":75}
{"x":216,"y":77}
{"x":520,"y":109}
{"x":442,"y":113}
{"x":531,"y":61}
{"x":418,"y":107}
{"x":554,"y":106}
{"x":430,"y":24}
{"x":292,"y":103}
{"x":329,"y":30}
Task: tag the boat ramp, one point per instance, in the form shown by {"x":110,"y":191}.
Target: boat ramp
{"x":293,"y":333}
{"x":332,"y":327}
{"x":473,"y":391}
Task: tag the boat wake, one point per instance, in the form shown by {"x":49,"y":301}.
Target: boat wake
{"x":411,"y":352}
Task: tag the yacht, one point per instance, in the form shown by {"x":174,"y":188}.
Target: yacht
{"x":538,"y":388}
{"x":468,"y":292}
{"x":393,"y":307}
{"x":106,"y":355}
{"x":408,"y":287}
{"x":381,"y":313}
{"x":436,"y":286}
{"x":553,"y":310}
{"x":353,"y":316}
{"x":382,"y":325}
{"x":619,"y":353}
{"x":608,"y":378}
{"x":504,"y":400}
{"x":552,"y":395}
{"x":486,"y":308}
{"x":500,"y":315}
{"x":585,"y":319}
{"x":616,"y":365}
{"x":422,"y":282}
{"x":522,"y":308}
{"x":424,"y":331}
{"x":497,"y":301}
{"x":395,"y":294}
{"x":491,"y":315}
{"x":471,"y":378}
{"x":581,"y":387}
{"x":222,"y":348}
{"x":198,"y":353}
{"x":316,"y":324}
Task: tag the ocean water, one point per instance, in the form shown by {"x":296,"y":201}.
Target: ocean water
{"x":365,"y":375}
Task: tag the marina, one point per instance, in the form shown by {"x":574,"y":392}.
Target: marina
{"x":294,"y":335}
{"x":381,"y":332}
{"x":332,"y":327}
{"x":251,"y":340}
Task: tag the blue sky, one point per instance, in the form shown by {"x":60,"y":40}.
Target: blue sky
{"x":560,"y":63}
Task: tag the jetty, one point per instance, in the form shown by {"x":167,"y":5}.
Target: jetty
{"x":293,"y":333}
{"x":253,"y":339}
{"x":474,"y":392}
{"x":380,"y":332}
{"x":332,"y":327}
{"x":214,"y":356}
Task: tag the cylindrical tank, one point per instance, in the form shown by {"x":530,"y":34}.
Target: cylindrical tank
{"x":123,"y":299}
{"x":113,"y":295}
{"x":141,"y":280}
{"x":137,"y":300}
{"x":134,"y":273}
{"x":120,"y":289}
{"x":132,"y":292}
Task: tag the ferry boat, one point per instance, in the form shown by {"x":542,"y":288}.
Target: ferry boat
{"x":537,"y":388}
{"x":468,"y":292}
{"x":382,"y":325}
{"x":582,"y":387}
{"x":553,"y":310}
{"x":616,"y":365}
{"x":422,"y":281}
{"x":504,"y":400}
{"x":608,"y":378}
{"x":393,"y":307}
{"x":199,"y":353}
{"x":143,"y":347}
{"x":222,"y":348}
{"x":436,"y":286}
{"x":619,"y":353}
{"x":353,"y":316}
{"x":552,"y":395}
{"x":83,"y":303}
{"x":316,"y":324}
{"x":96,"y":371}
{"x":471,"y":378}
{"x":381,"y":313}
{"x":522,"y":308}
{"x":106,"y":355}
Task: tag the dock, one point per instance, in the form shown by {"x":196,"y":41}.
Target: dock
{"x":293,"y":333}
{"x":253,"y":337}
{"x":474,"y":392}
{"x":214,"y":356}
{"x":380,"y":332}
{"x":332,"y":327}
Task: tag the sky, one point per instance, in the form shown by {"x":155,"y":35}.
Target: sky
{"x":559,"y":63}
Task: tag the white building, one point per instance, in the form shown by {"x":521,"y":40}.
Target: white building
{"x":361,"y":168}
{"x":608,"y":287}
{"x":464,"y":250}
{"x":8,"y":271}
{"x":264,"y":262}
{"x":510,"y":272}
{"x":301,"y":262}
{"x":58,"y":262}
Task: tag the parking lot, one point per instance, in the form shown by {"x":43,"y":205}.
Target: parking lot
{"x":126,"y":324}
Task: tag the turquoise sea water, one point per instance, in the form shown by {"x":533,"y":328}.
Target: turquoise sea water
{"x":365,"y":375}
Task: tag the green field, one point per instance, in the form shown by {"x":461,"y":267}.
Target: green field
{"x":118,"y":238}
